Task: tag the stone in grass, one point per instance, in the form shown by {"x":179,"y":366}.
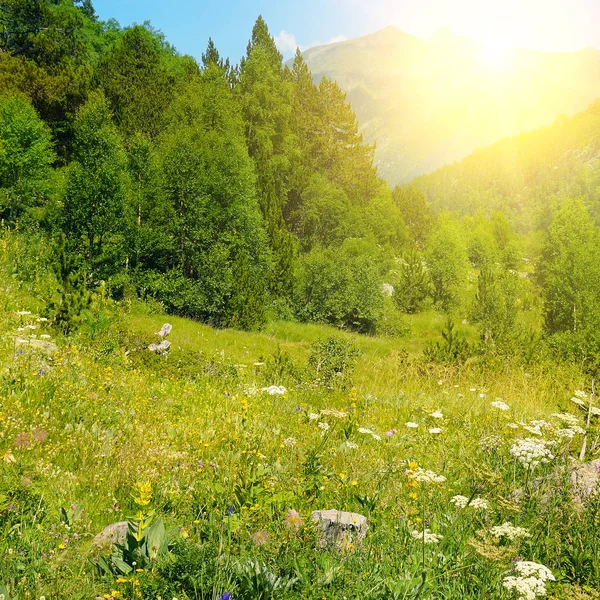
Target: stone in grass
{"x":165,"y":330}
{"x":583,"y":483}
{"x":161,"y":348}
{"x":339,"y":528}
{"x":42,"y":345}
{"x":111,"y":535}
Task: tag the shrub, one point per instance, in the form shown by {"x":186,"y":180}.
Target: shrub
{"x":331,"y":361}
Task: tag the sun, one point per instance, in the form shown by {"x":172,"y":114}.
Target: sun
{"x":494,"y":54}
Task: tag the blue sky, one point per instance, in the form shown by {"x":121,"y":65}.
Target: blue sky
{"x":540,"y":24}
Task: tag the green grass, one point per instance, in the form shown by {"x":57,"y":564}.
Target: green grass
{"x":226,"y":463}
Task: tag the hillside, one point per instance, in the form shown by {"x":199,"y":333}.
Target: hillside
{"x":522,"y":175}
{"x":430,"y":103}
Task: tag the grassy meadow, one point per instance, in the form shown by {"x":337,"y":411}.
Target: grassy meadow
{"x":218,"y":477}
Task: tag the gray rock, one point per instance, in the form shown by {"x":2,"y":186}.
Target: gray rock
{"x":582,"y":480}
{"x":162,"y":348}
{"x":341,"y":529}
{"x":165,"y":330}
{"x":42,"y":345}
{"x":112,"y":534}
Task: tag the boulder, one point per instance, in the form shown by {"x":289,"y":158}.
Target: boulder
{"x":41,"y":345}
{"x":165,"y":330}
{"x":162,"y":348}
{"x":339,"y":528}
{"x":112,"y":534}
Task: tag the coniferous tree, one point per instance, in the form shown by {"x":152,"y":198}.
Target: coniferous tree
{"x":265,"y":97}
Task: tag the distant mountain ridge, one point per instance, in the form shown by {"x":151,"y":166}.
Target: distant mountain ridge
{"x":526,"y":176}
{"x":427,"y":103}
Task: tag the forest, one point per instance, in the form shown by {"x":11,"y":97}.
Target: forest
{"x":235,"y":194}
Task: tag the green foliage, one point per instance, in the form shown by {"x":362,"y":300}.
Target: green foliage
{"x":331,"y":361}
{"x":25,"y":158}
{"x":73,"y":297}
{"x":95,"y":193}
{"x":453,"y":349}
{"x":340,"y":286}
{"x":413,"y":285}
{"x":446,"y":258}
{"x":496,"y":307}
{"x":416,"y":212}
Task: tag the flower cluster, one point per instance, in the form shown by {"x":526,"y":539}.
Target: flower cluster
{"x":427,"y":536}
{"x":463,"y":502}
{"x":500,"y":404}
{"x":530,"y":581}
{"x":509,"y":531}
{"x":425,"y":476}
{"x":530,"y":453}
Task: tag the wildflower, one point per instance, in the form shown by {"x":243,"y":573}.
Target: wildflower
{"x":22,"y":440}
{"x":365,"y":431}
{"x":437,"y":415}
{"x":289,"y":442}
{"x":144,"y":493}
{"x":425,"y":476}
{"x":260,"y":538}
{"x":389,"y":434}
{"x":40,"y":435}
{"x":351,"y":445}
{"x":509,"y":531}
{"x":500,"y":404}
{"x":463,"y":502}
{"x":513,"y":425}
{"x":435,"y":430}
{"x":376,"y":437}
{"x":427,"y":536}
{"x":313,"y":416}
{"x":482,"y":396}
{"x":338,"y":414}
{"x":567,"y":418}
{"x":530,"y":581}
{"x":324,"y":426}
{"x":570,"y":432}
{"x":293,"y":520}
{"x":412,"y":425}
{"x":225,"y":596}
{"x":532,"y":429}
{"x":530,"y":453}
{"x":9,"y":457}
{"x":275,"y":390}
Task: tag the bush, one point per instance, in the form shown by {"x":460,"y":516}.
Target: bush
{"x":341,"y":287}
{"x":331,"y":361}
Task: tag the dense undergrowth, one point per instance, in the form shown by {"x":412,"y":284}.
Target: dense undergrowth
{"x":218,"y":477}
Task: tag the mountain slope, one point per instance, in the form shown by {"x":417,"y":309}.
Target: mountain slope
{"x":430,"y":103}
{"x":525,"y":175}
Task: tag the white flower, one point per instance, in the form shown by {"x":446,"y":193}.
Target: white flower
{"x":351,"y":445}
{"x":581,"y":394}
{"x":500,"y":404}
{"x":338,"y":414}
{"x":535,"y":430}
{"x":376,"y":437}
{"x":313,"y":416}
{"x":530,"y":453}
{"x":472,"y":389}
{"x":365,"y":430}
{"x":567,"y":418}
{"x":509,"y":531}
{"x":425,"y":476}
{"x":570,"y":432}
{"x":437,"y":415}
{"x":45,"y":336}
{"x":22,"y":313}
{"x":324,"y":426}
{"x":482,"y":396}
{"x":531,"y":581}
{"x":412,"y":425}
{"x":289,"y":442}
{"x":578,"y":401}
{"x":275,"y":390}
{"x":463,"y":502}
{"x":513,"y":425}
{"x":427,"y":536}
{"x":435,"y":430}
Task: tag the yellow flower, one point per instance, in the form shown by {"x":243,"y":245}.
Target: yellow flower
{"x":413,"y":496}
{"x":144,"y":491}
{"x":354,"y":482}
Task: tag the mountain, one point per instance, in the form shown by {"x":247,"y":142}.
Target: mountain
{"x":525,"y":176}
{"x":427,"y":103}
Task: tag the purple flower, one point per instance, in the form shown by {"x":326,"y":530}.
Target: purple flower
{"x":389,"y":433}
{"x":226,"y":596}
{"x":230,"y":510}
